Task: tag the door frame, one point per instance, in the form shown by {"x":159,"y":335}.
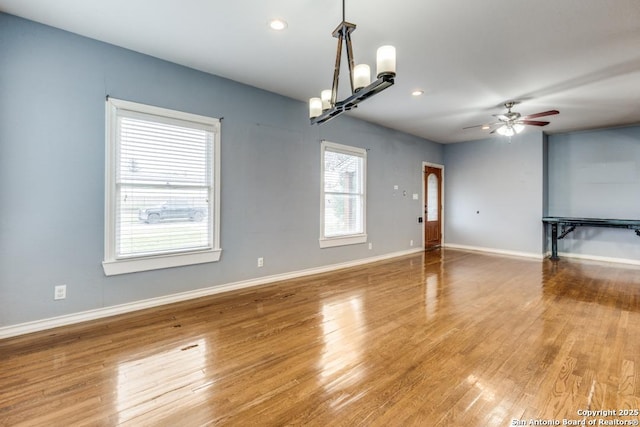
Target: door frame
{"x":424,"y":200}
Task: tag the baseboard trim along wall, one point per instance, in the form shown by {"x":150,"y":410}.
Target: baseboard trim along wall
{"x":597,"y":258}
{"x":494,"y":251}
{"x":70,"y":319}
{"x":543,"y":256}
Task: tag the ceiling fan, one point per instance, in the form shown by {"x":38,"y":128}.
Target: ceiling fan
{"x":511,"y":122}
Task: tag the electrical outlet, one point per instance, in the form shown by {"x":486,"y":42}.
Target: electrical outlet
{"x":370,"y":246}
{"x":60,"y":292}
{"x":260,"y":262}
{"x":410,"y":242}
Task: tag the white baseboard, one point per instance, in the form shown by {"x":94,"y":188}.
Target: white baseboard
{"x":545,"y":255}
{"x":69,"y":319}
{"x":596,"y":258}
{"x":494,"y":251}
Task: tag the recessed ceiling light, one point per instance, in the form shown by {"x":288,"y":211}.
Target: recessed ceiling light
{"x":417,"y":92}
{"x":278,"y":24}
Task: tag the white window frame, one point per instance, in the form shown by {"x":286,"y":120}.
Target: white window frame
{"x":351,"y":239}
{"x":113,"y":265}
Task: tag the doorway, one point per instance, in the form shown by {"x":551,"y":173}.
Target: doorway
{"x":433,"y":211}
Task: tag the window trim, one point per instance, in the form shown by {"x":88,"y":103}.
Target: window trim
{"x":350,"y":239}
{"x":113,"y":265}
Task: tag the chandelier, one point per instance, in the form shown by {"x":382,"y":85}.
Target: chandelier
{"x":327,"y":106}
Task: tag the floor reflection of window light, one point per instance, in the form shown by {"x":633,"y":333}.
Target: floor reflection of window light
{"x":343,"y":332}
{"x":149,"y":383}
{"x":431,"y":295}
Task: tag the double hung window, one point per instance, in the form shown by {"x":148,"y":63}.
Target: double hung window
{"x":343,"y":200}
{"x":162,"y":188}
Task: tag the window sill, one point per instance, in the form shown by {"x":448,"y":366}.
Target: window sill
{"x":330,"y":242}
{"x":124,"y":266}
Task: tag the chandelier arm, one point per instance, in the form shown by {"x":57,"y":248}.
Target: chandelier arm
{"x":350,"y":59}
{"x":336,"y":73}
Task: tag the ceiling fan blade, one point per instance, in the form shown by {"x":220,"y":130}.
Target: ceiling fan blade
{"x":487,"y":125}
{"x":484,"y":126}
{"x":542,"y":114}
{"x":532,"y":122}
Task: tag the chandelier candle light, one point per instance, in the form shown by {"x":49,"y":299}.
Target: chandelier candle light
{"x":327,"y":106}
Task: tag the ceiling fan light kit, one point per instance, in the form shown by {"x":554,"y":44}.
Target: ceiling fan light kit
{"x":510,"y":130}
{"x":327,"y":106}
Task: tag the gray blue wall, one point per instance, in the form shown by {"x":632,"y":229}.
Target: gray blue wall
{"x":52,"y":94}
{"x":596,"y":174}
{"x":494,"y":193}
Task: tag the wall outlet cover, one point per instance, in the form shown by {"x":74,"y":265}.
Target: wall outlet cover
{"x":60,"y":292}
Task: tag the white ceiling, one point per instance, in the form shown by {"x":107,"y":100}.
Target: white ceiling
{"x":581,"y":57}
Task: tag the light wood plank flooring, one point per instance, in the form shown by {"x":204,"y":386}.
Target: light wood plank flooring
{"x":444,"y":338}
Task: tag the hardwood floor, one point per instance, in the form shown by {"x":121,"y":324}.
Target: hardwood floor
{"x":442,"y":338}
